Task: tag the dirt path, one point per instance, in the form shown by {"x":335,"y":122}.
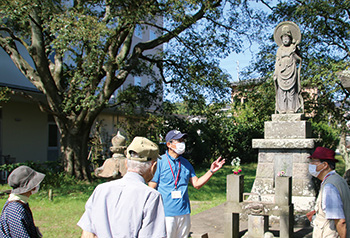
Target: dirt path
{"x":212,"y":221}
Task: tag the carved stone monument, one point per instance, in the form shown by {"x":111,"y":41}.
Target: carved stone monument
{"x":287,"y":138}
{"x":114,"y":167}
{"x":286,"y":145}
{"x":287,"y":72}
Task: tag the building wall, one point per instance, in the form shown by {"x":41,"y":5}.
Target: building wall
{"x":24,"y":132}
{"x":111,"y":122}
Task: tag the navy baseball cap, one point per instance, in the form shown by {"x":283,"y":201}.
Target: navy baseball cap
{"x":175,"y":135}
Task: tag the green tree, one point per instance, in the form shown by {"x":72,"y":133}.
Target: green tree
{"x":83,"y":51}
{"x":4,"y":94}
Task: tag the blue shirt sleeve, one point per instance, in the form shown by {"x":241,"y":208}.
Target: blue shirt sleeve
{"x":192,"y":172}
{"x":157,"y":173}
{"x":332,"y":203}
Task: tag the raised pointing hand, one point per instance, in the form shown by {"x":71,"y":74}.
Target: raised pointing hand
{"x":217,"y":164}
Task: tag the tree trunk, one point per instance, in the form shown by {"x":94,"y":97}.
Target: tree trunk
{"x":74,"y":151}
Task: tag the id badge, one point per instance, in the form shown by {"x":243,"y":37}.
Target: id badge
{"x":176,"y":194}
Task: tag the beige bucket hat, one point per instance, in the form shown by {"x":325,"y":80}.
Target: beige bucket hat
{"x":142,"y":149}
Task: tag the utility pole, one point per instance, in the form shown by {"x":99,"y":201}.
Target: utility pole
{"x":237,"y":62}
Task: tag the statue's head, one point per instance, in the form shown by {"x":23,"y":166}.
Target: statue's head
{"x":288,"y":30}
{"x":286,"y":36}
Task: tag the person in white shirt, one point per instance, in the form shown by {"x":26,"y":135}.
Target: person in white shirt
{"x":127,"y":207}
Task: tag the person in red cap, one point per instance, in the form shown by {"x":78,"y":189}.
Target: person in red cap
{"x":331,"y":217}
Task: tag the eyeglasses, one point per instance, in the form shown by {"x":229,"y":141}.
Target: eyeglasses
{"x":315,"y":161}
{"x":177,"y":140}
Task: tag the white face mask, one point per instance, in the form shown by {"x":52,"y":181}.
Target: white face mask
{"x":312,"y":170}
{"x":36,"y":189}
{"x":180,"y":148}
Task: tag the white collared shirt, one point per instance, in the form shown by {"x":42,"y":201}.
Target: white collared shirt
{"x":125,"y":207}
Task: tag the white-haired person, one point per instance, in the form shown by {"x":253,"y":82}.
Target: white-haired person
{"x":127,"y":207}
{"x":16,"y":217}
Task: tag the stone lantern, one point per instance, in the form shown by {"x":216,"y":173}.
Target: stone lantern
{"x":114,"y":168}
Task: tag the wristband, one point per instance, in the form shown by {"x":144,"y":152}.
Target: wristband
{"x":211,"y":171}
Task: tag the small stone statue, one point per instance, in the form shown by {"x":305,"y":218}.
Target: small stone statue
{"x":114,"y":167}
{"x":287,"y":72}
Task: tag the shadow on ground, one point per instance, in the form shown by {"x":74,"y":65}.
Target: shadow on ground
{"x":212,"y":222}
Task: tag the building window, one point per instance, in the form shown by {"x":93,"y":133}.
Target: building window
{"x":137,"y":81}
{"x":53,"y":140}
{"x":138,"y":31}
{"x":53,"y":135}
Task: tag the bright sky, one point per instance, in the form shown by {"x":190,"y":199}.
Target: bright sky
{"x":239,"y":61}
{"x":234,"y":63}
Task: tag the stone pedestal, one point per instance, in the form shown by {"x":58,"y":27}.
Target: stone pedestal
{"x":258,"y":212}
{"x":257,"y":226}
{"x":286,"y":145}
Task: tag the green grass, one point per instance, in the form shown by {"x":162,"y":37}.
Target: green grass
{"x":214,"y":192}
{"x":340,"y":166}
{"x":58,"y":218}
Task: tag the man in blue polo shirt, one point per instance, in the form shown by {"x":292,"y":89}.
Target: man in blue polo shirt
{"x":171,"y":179}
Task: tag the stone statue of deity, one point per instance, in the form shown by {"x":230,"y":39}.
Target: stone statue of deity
{"x":287,"y":69}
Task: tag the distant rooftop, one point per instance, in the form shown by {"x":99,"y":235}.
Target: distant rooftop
{"x":19,"y":87}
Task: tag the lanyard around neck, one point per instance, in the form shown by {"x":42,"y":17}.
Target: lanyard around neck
{"x":178,"y":172}
{"x":324,"y":179}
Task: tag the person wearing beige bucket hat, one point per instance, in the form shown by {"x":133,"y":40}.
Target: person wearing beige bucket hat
{"x":127,"y":207}
{"x":16,"y":217}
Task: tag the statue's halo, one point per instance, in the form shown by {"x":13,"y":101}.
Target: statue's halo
{"x":296,"y":34}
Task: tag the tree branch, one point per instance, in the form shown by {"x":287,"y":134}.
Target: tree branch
{"x":267,"y":5}
{"x":158,"y":63}
{"x":14,"y":37}
{"x":11,"y":49}
{"x":186,"y":23}
{"x":37,"y":52}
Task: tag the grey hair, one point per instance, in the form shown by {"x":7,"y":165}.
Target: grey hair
{"x":139,"y":167}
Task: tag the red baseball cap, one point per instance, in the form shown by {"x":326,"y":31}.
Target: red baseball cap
{"x":324,"y":153}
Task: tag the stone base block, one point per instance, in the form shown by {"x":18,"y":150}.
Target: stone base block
{"x":283,"y":143}
{"x":287,"y":130}
{"x":288,"y":117}
{"x":257,"y":225}
{"x":303,"y":204}
{"x":303,"y":187}
{"x":263,"y":186}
